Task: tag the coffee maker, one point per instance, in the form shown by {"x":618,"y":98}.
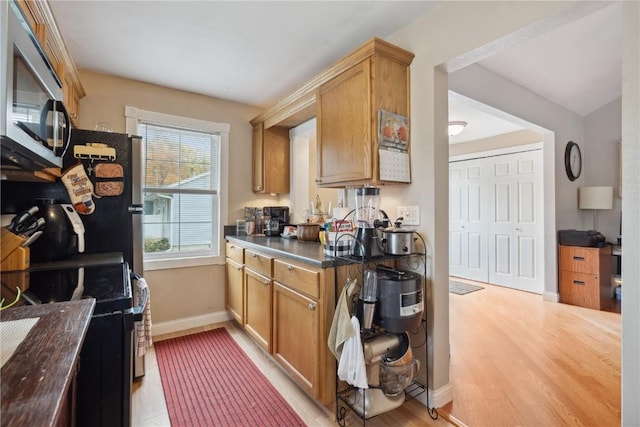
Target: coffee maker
{"x":389,"y":361}
{"x":277,"y":213}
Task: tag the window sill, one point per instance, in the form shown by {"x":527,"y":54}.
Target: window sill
{"x":170,"y":263}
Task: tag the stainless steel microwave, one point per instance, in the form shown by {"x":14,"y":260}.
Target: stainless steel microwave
{"x":34,"y":124}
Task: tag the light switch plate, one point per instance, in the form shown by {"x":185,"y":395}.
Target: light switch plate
{"x":411,"y":214}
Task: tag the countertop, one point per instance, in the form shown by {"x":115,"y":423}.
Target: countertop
{"x":308,"y":252}
{"x":303,"y":251}
{"x":36,"y":380}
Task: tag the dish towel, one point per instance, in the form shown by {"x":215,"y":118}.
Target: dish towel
{"x":143,"y":327}
{"x":341,"y":327}
{"x":351,"y":367}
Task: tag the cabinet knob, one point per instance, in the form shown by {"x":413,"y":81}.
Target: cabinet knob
{"x":254,"y":255}
{"x":312,"y":306}
{"x":239,"y":268}
{"x":266,"y":282}
{"x":290,"y":267}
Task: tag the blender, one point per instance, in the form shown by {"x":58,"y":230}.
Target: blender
{"x":368,"y":243}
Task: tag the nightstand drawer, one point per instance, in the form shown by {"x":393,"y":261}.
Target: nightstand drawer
{"x":579,"y":259}
{"x":580,"y":289}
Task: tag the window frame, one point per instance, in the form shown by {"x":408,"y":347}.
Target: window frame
{"x":135,"y":115}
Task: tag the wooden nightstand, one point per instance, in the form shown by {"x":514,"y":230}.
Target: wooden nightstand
{"x":585,"y":276}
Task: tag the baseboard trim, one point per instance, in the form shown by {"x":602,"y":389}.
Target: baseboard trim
{"x":551,"y":296}
{"x":437,"y":398}
{"x":185,"y":323}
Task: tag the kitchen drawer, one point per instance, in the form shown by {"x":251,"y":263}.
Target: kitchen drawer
{"x":580,"y":259}
{"x":296,"y":277}
{"x":580,"y":289}
{"x":234,"y":252}
{"x":258,"y":262}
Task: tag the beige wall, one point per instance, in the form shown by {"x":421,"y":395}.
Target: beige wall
{"x":184,"y":292}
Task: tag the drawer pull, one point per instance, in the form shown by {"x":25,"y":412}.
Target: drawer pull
{"x":266,"y":282}
{"x":290,"y":267}
{"x":312,"y":307}
{"x":254,"y":255}
{"x":232,"y":247}
{"x":239,"y":268}
{"x":578,"y":282}
{"x":578,"y":258}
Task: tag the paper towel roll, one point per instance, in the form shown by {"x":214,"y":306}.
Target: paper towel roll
{"x":340,"y":213}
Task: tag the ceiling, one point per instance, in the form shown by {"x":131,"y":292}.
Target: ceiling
{"x":257,"y":52}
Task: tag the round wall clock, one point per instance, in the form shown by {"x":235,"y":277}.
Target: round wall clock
{"x":572,"y":160}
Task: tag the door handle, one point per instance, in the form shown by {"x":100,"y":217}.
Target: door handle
{"x":290,"y":267}
{"x":578,"y":282}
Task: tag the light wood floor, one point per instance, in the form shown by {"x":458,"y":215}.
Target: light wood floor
{"x":515,"y":361}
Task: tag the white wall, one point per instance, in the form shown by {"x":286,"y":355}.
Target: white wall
{"x":601,"y":163}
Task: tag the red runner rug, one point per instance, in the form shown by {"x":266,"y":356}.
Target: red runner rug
{"x":209,"y":381}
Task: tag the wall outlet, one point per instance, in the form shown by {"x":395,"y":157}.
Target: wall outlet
{"x":410,"y":215}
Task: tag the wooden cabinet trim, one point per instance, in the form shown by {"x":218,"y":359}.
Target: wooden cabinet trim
{"x":292,"y":102}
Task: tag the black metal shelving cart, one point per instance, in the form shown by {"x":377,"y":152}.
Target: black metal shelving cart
{"x":374,"y":401}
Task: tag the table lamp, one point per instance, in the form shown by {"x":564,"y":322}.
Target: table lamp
{"x":595,"y":198}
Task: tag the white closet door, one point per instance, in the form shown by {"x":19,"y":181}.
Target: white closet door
{"x":516,"y":223}
{"x":467,"y":221}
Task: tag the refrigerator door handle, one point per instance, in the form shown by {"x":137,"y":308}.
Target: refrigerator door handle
{"x":136,"y":209}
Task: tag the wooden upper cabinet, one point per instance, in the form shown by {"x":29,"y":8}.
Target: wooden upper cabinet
{"x":270,"y":159}
{"x":344,"y":127}
{"x":347,"y":120}
{"x":345,"y":99}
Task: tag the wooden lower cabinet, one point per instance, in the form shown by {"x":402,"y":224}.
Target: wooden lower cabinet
{"x":288,"y":309}
{"x":296,"y":320}
{"x":257,"y":307}
{"x":234,"y":297}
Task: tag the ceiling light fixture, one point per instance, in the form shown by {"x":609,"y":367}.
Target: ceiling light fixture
{"x":456,"y":127}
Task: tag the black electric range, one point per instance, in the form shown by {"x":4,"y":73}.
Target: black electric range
{"x":105,"y":376}
{"x":105,"y":277}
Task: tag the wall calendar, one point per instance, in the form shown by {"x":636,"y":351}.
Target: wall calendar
{"x":393,"y":147}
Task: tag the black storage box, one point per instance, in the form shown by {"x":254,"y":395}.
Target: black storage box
{"x":585,"y":238}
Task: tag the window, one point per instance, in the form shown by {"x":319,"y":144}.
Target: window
{"x":184,"y":188}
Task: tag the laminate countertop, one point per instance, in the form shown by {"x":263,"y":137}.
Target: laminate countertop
{"x":37,"y":379}
{"x":303,"y":251}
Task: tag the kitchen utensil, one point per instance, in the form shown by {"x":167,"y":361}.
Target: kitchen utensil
{"x":307,"y":231}
{"x":23,"y":220}
{"x":32,"y":238}
{"x":272,"y":227}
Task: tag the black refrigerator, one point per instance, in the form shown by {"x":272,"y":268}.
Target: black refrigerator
{"x":112,"y":256}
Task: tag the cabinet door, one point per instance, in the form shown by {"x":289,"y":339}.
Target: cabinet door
{"x":270,"y":159}
{"x":295,"y":340}
{"x":344,"y":148}
{"x":257,"y":307}
{"x":258,"y":159}
{"x":234,"y":300}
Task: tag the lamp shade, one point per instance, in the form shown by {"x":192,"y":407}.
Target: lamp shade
{"x":595,"y":197}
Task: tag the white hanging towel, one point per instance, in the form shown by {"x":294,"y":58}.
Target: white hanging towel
{"x":143,"y":327}
{"x":351,"y":367}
